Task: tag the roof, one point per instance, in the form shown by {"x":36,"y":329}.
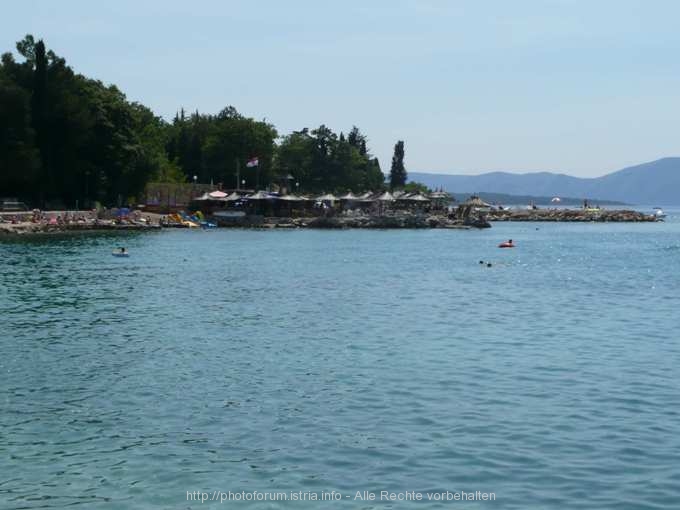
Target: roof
{"x":386,"y":197}
{"x":291,"y":198}
{"x":327,"y":197}
{"x":419,"y":198}
{"x":439,"y":194}
{"x":475,"y":201}
{"x":260,"y":195}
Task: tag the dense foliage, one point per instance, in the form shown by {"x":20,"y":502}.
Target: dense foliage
{"x":217,"y":147}
{"x":321,"y":161}
{"x":67,"y":139}
{"x":416,"y":187}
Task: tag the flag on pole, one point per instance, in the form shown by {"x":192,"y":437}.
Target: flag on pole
{"x":253,"y":162}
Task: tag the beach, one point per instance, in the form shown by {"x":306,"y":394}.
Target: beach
{"x":50,"y":222}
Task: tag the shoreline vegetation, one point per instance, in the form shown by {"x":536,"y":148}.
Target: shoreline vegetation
{"x":72,"y":142}
{"x":69,"y":143}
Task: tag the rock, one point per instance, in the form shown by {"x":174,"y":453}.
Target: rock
{"x":580,"y":215}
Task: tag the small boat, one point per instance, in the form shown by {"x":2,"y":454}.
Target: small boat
{"x":507,"y":244}
{"x":658,"y":213}
{"x":121,"y":252}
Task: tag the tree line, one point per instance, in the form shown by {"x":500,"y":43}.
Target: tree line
{"x":66,"y":139}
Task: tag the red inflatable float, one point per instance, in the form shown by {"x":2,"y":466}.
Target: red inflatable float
{"x":507,"y":244}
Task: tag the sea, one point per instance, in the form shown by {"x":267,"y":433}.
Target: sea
{"x":354,"y":368}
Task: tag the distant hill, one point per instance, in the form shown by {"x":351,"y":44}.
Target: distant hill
{"x":654,"y":183}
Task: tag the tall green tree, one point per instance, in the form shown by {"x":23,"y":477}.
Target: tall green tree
{"x":231,"y":139}
{"x":39,"y":114}
{"x":322,"y":161}
{"x":19,"y":157}
{"x":67,"y":139}
{"x":398,"y":173}
{"x":79,"y":140}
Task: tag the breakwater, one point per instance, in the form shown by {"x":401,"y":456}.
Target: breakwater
{"x":387,"y":221}
{"x":570,"y":215}
{"x":365,"y":221}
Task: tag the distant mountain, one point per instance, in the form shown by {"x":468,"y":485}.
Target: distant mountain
{"x":654,"y":183}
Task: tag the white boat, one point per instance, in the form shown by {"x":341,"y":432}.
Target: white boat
{"x":120,"y":253}
{"x":659,"y":214}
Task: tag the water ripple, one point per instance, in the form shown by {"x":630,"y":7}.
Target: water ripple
{"x":303,"y":360}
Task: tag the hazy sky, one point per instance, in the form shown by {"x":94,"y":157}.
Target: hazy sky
{"x":582,"y":87}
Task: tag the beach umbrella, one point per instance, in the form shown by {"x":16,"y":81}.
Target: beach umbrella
{"x":366,"y":197}
{"x":439,"y":195}
{"x":217,"y":194}
{"x":328,"y":197}
{"x":386,"y":197}
{"x":260,"y":195}
{"x":556,"y":200}
{"x":348,"y":196}
{"x":419,"y":198}
{"x":475,"y":201}
{"x":233,"y":197}
{"x":291,"y":198}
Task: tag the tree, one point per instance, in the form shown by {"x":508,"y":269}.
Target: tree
{"x":67,"y":139}
{"x":416,"y":187}
{"x":19,"y":158}
{"x":398,"y":173}
{"x":39,"y":113}
{"x":228,"y":140}
{"x":321,"y":161}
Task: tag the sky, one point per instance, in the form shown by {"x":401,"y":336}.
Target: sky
{"x":577,"y":87}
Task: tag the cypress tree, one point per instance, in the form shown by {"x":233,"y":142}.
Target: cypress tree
{"x":39,"y":118}
{"x":398,"y":173}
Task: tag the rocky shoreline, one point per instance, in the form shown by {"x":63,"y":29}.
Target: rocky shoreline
{"x":389,"y":221}
{"x":40,"y":229}
{"x":571,"y":215}
{"x":354,"y":222}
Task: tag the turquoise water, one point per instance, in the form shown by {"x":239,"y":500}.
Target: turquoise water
{"x":343,"y":360}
